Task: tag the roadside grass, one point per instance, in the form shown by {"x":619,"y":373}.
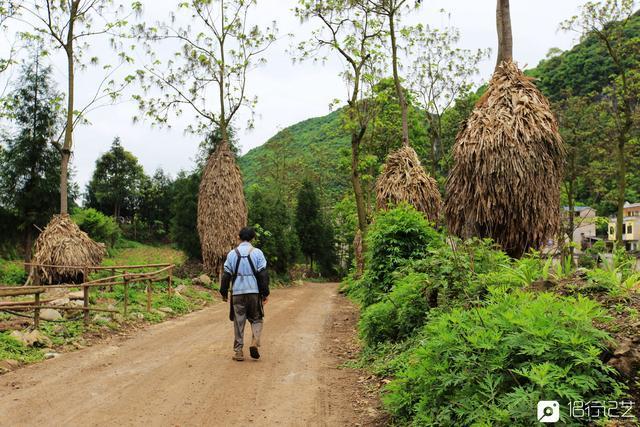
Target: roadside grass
{"x":12,"y":349}
{"x":71,"y":333}
{"x":138,"y":254}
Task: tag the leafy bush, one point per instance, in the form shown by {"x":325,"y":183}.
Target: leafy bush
{"x":490,"y":365}
{"x":395,"y":237}
{"x":97,"y":225}
{"x":587,"y":261}
{"x":399,"y":313}
{"x":12,"y":273}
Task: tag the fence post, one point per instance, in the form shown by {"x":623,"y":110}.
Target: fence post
{"x":126,"y":295}
{"x":149,"y":296}
{"x":36,"y":311}
{"x":170,"y":281}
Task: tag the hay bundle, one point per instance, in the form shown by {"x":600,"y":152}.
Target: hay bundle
{"x":222,"y":210}
{"x":508,"y":166}
{"x":403,"y":179}
{"x":63,"y":243}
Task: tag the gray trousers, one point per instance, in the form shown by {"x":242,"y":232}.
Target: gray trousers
{"x":247,"y":307}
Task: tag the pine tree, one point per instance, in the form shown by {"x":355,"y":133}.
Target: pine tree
{"x":30,"y":173}
{"x":116,"y":182}
{"x":315,"y":233}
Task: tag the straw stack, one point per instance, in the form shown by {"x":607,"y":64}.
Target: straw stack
{"x":222,"y":210}
{"x":63,"y":243}
{"x":403,"y":179}
{"x":508,"y":166}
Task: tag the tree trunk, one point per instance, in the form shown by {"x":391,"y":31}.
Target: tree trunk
{"x":505,"y":38}
{"x":622,"y":182}
{"x":396,"y":79}
{"x":28,"y":243}
{"x":68,"y":131}
{"x":571,"y":225}
{"x":357,"y":184}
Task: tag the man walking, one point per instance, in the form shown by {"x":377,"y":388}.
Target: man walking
{"x":245,"y":271}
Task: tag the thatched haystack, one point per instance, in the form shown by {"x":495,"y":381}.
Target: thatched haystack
{"x":403,"y":179}
{"x":63,"y":243}
{"x":222,"y":210}
{"x":508,"y":166}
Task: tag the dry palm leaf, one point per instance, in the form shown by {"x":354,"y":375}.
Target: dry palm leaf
{"x":508,"y":166}
{"x":63,"y":243}
{"x":222,"y":210}
{"x":403,"y":179}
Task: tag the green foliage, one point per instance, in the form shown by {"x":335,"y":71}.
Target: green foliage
{"x":277,"y":237}
{"x":184,"y":214}
{"x":12,"y":273}
{"x":315,"y":232}
{"x":97,"y":225}
{"x":311,"y":146}
{"x":491,"y":364}
{"x":30,"y":172}
{"x":116,"y":184}
{"x":399,"y":313}
{"x":178,"y":304}
{"x":10,"y":348}
{"x":395,"y":237}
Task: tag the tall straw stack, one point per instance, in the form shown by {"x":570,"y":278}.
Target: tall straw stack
{"x":508,"y":166}
{"x":63,"y":243}
{"x":222,"y":210}
{"x":403,"y":179}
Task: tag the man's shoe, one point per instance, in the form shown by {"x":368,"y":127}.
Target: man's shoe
{"x":238,"y":356}
{"x":253,"y":351}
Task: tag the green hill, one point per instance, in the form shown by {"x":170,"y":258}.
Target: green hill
{"x":312,"y":149}
{"x":315,"y":148}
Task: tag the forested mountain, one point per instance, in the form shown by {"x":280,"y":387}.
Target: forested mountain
{"x":314,"y":148}
{"x":583,"y":70}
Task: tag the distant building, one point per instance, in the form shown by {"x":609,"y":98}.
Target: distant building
{"x":584,"y":225}
{"x":631,"y":226}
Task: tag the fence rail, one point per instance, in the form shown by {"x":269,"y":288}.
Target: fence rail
{"x":127,"y":278}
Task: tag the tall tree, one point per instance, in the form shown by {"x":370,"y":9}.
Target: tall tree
{"x":440,"y":73}
{"x":208,"y":74}
{"x":608,"y":21}
{"x":391,"y":11}
{"x":218,"y":47}
{"x":8,"y":9}
{"x":352,"y":31}
{"x":117,"y":181}
{"x":69,"y":25}
{"x":580,"y":128}
{"x":277,"y":237}
{"x":184,"y":214}
{"x":30,"y":165}
{"x":314,"y":231}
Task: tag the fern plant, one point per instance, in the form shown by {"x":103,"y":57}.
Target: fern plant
{"x":491,"y":365}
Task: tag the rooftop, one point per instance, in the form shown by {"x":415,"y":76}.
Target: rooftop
{"x":581,"y":208}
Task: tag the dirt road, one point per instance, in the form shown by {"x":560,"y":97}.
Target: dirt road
{"x":181,"y":373}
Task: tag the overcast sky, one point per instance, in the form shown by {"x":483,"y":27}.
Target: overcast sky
{"x":288,"y":93}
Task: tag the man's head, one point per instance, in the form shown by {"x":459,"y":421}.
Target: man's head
{"x":247,"y":234}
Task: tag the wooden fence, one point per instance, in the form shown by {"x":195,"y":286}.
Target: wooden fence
{"x":120,"y":275}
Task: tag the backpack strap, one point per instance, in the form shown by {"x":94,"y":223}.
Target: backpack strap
{"x":235,"y":272}
{"x":253,"y":267}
